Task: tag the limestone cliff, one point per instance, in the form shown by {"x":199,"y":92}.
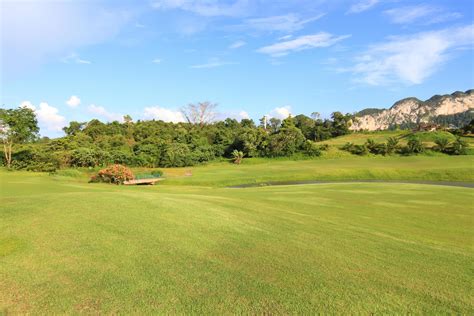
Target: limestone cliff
{"x":413,"y":111}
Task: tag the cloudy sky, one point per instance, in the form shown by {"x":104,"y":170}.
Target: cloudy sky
{"x":77,"y":60}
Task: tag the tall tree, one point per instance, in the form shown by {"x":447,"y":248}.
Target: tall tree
{"x":73,"y":128}
{"x":17,"y":126}
{"x":200,"y":113}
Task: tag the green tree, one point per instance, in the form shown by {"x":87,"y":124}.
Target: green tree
{"x":340,"y":124}
{"x":274,"y":124}
{"x":286,"y":142}
{"x":16,"y":126}
{"x":306,"y":125}
{"x":73,"y":128}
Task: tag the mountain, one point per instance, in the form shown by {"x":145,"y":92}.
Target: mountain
{"x":456,"y":109}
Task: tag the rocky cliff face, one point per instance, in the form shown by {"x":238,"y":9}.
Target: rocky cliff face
{"x":413,"y":111}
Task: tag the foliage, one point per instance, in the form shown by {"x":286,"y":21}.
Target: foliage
{"x":376,"y":148}
{"x":286,"y":142}
{"x":459,"y":147}
{"x":237,"y":156}
{"x":442,"y":144}
{"x":392,"y":145}
{"x":157,"y":173}
{"x":115,"y":174}
{"x":360,"y":150}
{"x":312,"y":149}
{"x":414,"y":146}
{"x":155,"y":144}
{"x":16,"y":126}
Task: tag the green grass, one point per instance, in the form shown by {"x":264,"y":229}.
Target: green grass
{"x":71,"y":247}
{"x":257,"y":170}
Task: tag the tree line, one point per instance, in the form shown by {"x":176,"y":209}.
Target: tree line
{"x":154,"y":143}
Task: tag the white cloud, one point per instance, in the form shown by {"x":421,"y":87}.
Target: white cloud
{"x":237,"y":44}
{"x":244,"y":115}
{"x":166,"y":115}
{"x":48,"y":117}
{"x":74,"y":58}
{"x":362,"y":5}
{"x":413,"y":58}
{"x":425,"y":14}
{"x":156,"y":61}
{"x":286,"y":37}
{"x":73,"y":101}
{"x":102,"y":112}
{"x":52,"y":30}
{"x":207,"y":8}
{"x":28,"y":105}
{"x":281,"y":23}
{"x":213,"y":63}
{"x":321,"y":39}
{"x":139,"y":25}
{"x":280,"y":112}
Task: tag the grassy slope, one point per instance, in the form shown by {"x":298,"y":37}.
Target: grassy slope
{"x":67,"y":246}
{"x":381,"y":136}
{"x":448,"y":168}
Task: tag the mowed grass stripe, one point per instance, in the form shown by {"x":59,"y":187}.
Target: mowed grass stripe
{"x":354,"y":247}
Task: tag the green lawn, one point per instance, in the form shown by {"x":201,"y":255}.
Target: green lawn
{"x":71,"y":247}
{"x":254,"y":170}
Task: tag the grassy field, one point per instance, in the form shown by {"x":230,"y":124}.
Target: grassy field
{"x":192,"y":246}
{"x":439,"y":168}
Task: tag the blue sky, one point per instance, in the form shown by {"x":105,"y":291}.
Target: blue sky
{"x":77,"y":60}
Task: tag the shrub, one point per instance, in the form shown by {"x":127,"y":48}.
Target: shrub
{"x":311,"y":149}
{"x":442,"y":144}
{"x":157,"y":173}
{"x":459,"y":147}
{"x":391,"y":146}
{"x":376,"y":148}
{"x":360,"y":150}
{"x":238,"y":156}
{"x":414,"y":146}
{"x":116,"y":174}
{"x":324,"y":147}
{"x":42,"y":167}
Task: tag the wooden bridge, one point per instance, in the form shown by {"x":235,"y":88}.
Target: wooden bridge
{"x":151,"y":181}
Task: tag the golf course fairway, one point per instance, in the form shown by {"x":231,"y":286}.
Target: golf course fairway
{"x":67,"y":246}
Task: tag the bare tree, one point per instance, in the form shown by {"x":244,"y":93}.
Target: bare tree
{"x":315,"y":116}
{"x":200,"y":113}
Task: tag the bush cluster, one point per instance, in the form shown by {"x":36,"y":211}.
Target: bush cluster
{"x":115,"y":174}
{"x":414,"y":146}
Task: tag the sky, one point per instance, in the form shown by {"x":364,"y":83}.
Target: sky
{"x":77,"y":60}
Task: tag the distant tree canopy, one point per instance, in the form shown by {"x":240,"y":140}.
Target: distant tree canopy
{"x":160,"y":144}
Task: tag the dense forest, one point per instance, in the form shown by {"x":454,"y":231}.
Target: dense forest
{"x":160,"y":144}
{"x":155,"y":143}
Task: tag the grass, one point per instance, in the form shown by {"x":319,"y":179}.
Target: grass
{"x":71,"y":247}
{"x":257,"y":170}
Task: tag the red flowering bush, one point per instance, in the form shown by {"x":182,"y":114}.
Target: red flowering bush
{"x":116,"y":174}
